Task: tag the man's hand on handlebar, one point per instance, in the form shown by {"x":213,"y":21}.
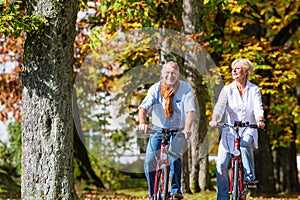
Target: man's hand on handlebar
{"x":213,"y":124}
{"x":187,"y":134}
{"x":143,"y":127}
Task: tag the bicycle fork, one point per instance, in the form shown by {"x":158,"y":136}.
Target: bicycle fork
{"x":236,"y":182}
{"x":163,"y":162}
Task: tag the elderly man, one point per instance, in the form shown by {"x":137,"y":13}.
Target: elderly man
{"x":172,"y":103}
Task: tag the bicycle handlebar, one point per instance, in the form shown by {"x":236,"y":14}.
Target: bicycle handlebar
{"x":165,"y":131}
{"x":239,"y":124}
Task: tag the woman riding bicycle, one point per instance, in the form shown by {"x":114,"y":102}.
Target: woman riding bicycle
{"x":240,"y":101}
{"x":172,"y":103}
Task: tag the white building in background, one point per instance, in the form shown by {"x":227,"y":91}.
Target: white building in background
{"x":101,"y":146}
{"x":6,"y":68}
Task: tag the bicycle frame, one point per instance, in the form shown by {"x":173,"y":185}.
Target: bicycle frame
{"x":237,"y":173}
{"x":161,"y":182}
{"x":163,"y":162}
{"x":237,"y":188}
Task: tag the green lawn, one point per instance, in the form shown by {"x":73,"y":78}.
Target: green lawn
{"x":208,"y":195}
{"x":136,"y":189}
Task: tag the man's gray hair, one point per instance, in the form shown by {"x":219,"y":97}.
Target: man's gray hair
{"x":172,"y":63}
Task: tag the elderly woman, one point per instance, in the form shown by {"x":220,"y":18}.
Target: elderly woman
{"x":240,"y":101}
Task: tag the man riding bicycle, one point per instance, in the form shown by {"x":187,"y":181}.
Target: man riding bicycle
{"x":172,"y":103}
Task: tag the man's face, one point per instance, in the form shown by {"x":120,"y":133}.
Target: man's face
{"x":170,"y":75}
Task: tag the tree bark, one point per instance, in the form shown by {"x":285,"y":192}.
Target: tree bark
{"x":185,"y":183}
{"x":47,"y":157}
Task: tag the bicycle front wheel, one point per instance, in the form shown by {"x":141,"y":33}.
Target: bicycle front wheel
{"x":235,"y":189}
{"x":163,"y":183}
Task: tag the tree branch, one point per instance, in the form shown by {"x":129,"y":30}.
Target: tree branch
{"x":286,"y":32}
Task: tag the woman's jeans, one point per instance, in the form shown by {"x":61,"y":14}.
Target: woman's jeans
{"x":153,"y":150}
{"x":224,"y":161}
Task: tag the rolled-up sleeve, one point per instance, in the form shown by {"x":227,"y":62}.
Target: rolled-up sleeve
{"x":220,"y":106}
{"x":148,"y":101}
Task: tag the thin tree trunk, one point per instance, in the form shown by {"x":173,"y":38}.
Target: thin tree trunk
{"x":185,"y":182}
{"x":192,"y":25}
{"x":81,"y":156}
{"x":293,"y":184}
{"x":285,"y":169}
{"x":47,"y":157}
{"x":264,"y":165}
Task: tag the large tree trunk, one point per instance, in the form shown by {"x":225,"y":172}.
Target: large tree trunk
{"x":47,"y":158}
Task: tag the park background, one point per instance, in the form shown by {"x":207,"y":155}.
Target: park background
{"x":66,"y":67}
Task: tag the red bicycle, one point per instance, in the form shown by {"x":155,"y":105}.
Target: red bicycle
{"x":238,"y":187}
{"x":162,"y":171}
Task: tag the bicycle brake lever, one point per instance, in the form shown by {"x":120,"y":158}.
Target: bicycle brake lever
{"x":253,"y":126}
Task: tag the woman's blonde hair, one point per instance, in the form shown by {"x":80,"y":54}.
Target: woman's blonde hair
{"x":245,"y":64}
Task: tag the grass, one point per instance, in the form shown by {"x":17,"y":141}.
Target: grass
{"x":136,"y":189}
{"x":141,"y":193}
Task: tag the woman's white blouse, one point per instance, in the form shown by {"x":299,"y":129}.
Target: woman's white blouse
{"x":244,"y":108}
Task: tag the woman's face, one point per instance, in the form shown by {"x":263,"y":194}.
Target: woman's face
{"x":238,"y":73}
{"x":170,"y":75}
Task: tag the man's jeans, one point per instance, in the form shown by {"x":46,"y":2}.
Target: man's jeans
{"x":153,"y":150}
{"x":224,"y":161}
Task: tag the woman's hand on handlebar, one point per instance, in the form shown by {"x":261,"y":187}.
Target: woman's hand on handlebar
{"x":261,"y":124}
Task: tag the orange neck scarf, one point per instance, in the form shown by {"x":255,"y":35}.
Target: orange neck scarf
{"x":168,"y":93}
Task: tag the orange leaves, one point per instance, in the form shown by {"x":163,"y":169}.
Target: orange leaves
{"x":11,"y":51}
{"x":10,"y":95}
